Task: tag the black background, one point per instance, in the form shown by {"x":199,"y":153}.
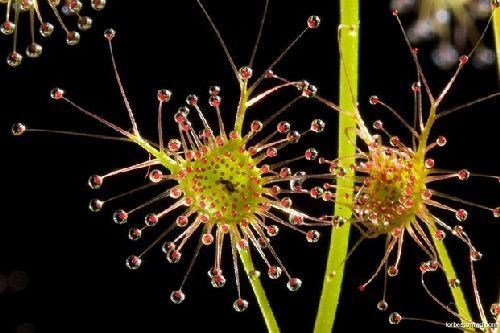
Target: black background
{"x":74,"y":259}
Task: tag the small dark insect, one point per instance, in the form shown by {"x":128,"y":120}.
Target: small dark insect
{"x":230,"y":187}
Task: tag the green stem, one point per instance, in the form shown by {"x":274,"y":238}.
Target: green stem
{"x":332,"y":284}
{"x":457,"y":293}
{"x":496,"y":26}
{"x":260,"y":294}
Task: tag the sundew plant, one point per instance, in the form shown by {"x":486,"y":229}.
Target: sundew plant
{"x":242,"y":191}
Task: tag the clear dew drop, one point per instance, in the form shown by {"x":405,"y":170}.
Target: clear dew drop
{"x":174,"y":256}
{"x":395,"y":318}
{"x":453,"y":283}
{"x":495,"y":309}
{"x":318,"y":125}
{"x":475,"y":255}
{"x":240,"y":305}
{"x":461,"y":215}
{"x":245,"y":73}
{"x":392,"y":271}
{"x":313,"y":22}
{"x":56,"y":93}
{"x":218,"y":281}
{"x":95,"y":205}
{"x":120,"y":216}
{"x":294,"y":284}
{"x":177,"y":296}
{"x":311,"y":154}
{"x":151,"y":219}
{"x":46,"y":29}
{"x":18,"y":129}
{"x":168,"y":246}
{"x":95,"y":182}
{"x":312,"y":236}
{"x":34,"y":50}
{"x":133,"y":262}
{"x":7,"y":28}
{"x":274,"y":272}
{"x":382,"y":305}
{"x":283,"y":127}
{"x":84,"y":23}
{"x":72,"y":37}
{"x":14,"y":59}
{"x":164,"y":95}
{"x":98,"y":4}
{"x":134,"y":234}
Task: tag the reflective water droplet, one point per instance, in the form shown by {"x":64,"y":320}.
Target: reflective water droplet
{"x":313,"y":22}
{"x":441,"y":141}
{"x":7,"y":28}
{"x":318,"y":125}
{"x":14,"y":59}
{"x":56,"y":93}
{"x":98,"y":4}
{"x":429,"y":163}
{"x":272,"y":230}
{"x":382,"y":305}
{"x":215,"y":100}
{"x":245,"y":73}
{"x":283,"y":127}
{"x":214,"y":90}
{"x":496,"y":212}
{"x":475,"y":255}
{"x":120,"y":216}
{"x":218,"y":281}
{"x":439,"y":234}
{"x":34,"y":50}
{"x":392,"y":271}
{"x":453,"y":283}
{"x":312,"y":236}
{"x":240,"y":305}
{"x":84,"y":23}
{"x":495,"y":309}
{"x":133,"y":262}
{"x":18,"y":129}
{"x":374,"y":100}
{"x":151,"y":220}
{"x":164,"y":95}
{"x":395,"y":318}
{"x":461,"y":215}
{"x":463,"y":174}
{"x":95,"y":205}
{"x":274,"y":272}
{"x":72,"y":37}
{"x":311,"y":154}
{"x":294,"y":284}
{"x":168,"y":246}
{"x":173,"y":256}
{"x":134,"y":234}
{"x":177,"y":296}
{"x":46,"y":29}
{"x":95,"y":182}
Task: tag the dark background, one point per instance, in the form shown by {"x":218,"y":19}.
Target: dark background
{"x":74,"y":260}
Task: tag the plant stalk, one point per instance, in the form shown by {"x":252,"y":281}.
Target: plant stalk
{"x":332,"y":284}
{"x":496,"y":28}
{"x":260,"y":294}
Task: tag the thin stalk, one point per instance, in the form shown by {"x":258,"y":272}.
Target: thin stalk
{"x":260,"y":294}
{"x":457,"y":293}
{"x":332,"y":284}
{"x":496,"y":26}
